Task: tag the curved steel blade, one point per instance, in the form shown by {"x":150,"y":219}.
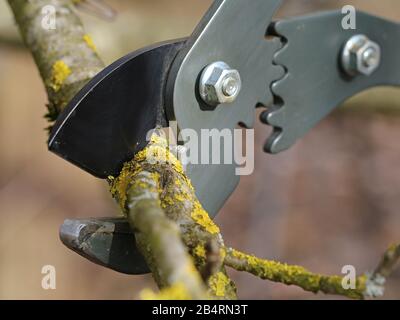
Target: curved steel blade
{"x":233,"y":31}
{"x":107,"y":121}
{"x":315,"y":84}
{"x":108,"y":242}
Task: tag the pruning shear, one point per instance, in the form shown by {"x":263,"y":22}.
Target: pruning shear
{"x":237,"y":59}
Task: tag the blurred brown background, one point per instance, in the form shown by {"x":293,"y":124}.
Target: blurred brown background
{"x":332,"y":200}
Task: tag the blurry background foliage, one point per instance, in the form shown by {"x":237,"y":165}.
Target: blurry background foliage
{"x":332,"y":200}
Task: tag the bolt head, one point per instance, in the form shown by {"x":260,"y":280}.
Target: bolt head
{"x":361,"y":56}
{"x":219,"y":84}
{"x":230,"y":86}
{"x":370,"y":57}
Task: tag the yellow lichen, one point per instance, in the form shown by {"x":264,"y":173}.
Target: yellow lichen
{"x":178,"y":183}
{"x":180,"y":197}
{"x":89,"y":41}
{"x":167,"y":200}
{"x":300,"y":276}
{"x":157,"y":152}
{"x":60,"y":72}
{"x":119,"y":186}
{"x":218,"y":283}
{"x":177,"y":291}
{"x":201,"y":217}
{"x":222,"y":253}
{"x":199,"y":251}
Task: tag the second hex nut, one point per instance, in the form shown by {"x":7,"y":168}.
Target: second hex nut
{"x":360,"y":55}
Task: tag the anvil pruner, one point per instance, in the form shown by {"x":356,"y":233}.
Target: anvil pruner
{"x":236,"y":60}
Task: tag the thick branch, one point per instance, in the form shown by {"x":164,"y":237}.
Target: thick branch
{"x":158,"y":239}
{"x":177,"y":198}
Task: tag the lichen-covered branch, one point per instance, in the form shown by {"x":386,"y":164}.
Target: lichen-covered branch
{"x":366,"y":286}
{"x":177,"y":199}
{"x":158,"y":239}
{"x":389,"y":261}
{"x":65,"y":55}
{"x":293,"y":275}
{"x":376,"y":280}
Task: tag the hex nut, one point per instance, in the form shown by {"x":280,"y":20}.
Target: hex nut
{"x":219,"y":84}
{"x":360,"y":55}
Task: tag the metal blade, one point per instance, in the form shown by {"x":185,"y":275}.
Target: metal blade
{"x":315,"y":83}
{"x":107,"y":121}
{"x":108,"y":242}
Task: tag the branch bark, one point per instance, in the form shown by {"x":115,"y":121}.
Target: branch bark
{"x":366,"y":286}
{"x":65,"y":56}
{"x":177,"y":199}
{"x":293,"y":275}
{"x":159,"y":239}
{"x":376,"y":280}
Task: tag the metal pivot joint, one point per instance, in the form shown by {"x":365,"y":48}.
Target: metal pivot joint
{"x":220,"y":98}
{"x":219,"y":84}
{"x":360,"y":56}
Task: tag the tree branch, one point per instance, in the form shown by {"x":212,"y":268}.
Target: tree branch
{"x":376,"y":281}
{"x":178,"y":200}
{"x":389,"y":261}
{"x":367,"y":285}
{"x":158,"y":239}
{"x":293,"y":275}
{"x":65,"y":56}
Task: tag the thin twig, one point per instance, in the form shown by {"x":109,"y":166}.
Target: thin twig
{"x":293,"y":275}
